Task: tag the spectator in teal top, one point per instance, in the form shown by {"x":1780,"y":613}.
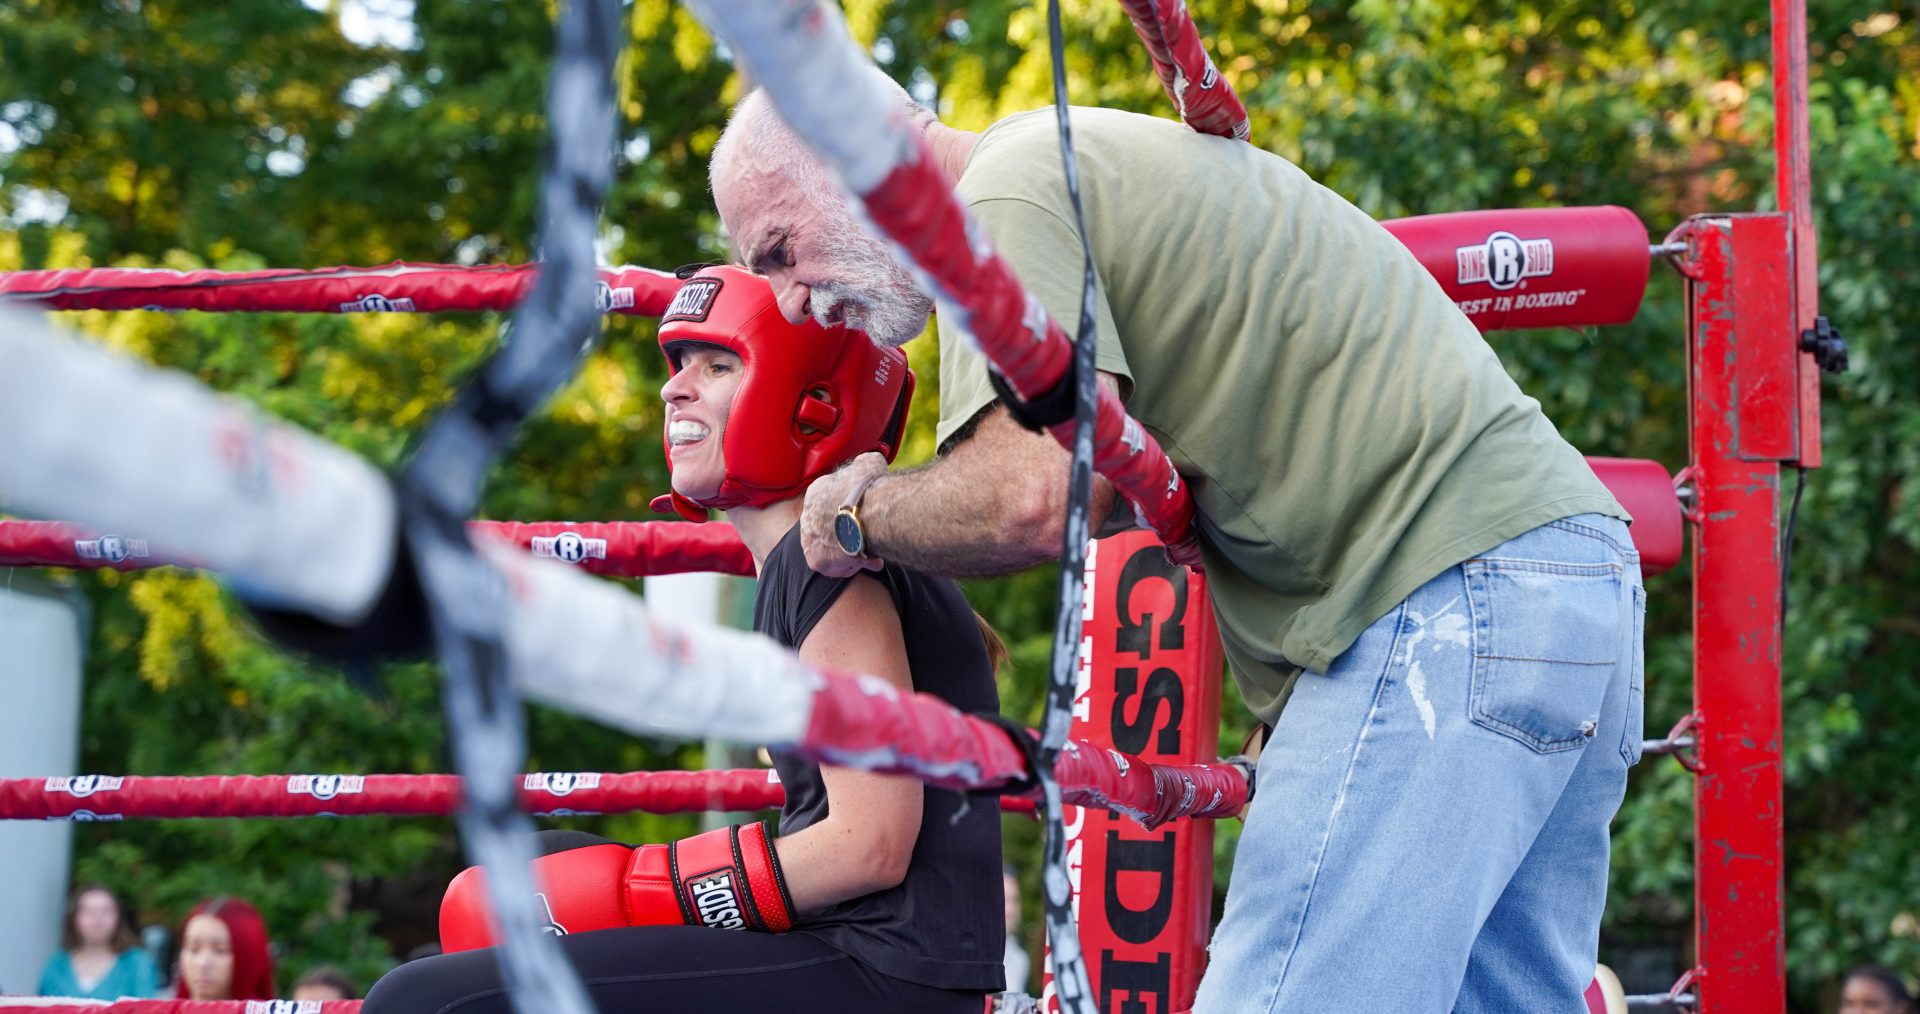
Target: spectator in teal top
{"x":98,"y":957}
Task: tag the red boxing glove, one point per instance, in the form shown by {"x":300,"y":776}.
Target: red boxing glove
{"x":724,"y":879}
{"x":728,"y":878}
{"x":579,"y":891}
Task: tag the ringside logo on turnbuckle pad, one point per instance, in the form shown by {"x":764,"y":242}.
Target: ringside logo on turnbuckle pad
{"x":1504,"y":260}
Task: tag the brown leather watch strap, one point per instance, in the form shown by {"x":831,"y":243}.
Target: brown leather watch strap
{"x":860,"y":489}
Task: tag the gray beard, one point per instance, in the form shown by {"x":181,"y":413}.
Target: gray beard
{"x":891,"y":320}
{"x":873,"y":293}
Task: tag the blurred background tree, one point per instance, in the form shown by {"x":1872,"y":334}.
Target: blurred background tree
{"x":355,"y":131}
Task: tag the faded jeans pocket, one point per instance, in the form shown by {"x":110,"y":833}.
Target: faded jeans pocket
{"x":1546,"y":638}
{"x":1633,"y":739}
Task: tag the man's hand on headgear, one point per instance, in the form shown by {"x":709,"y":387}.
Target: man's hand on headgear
{"x":817,"y":520}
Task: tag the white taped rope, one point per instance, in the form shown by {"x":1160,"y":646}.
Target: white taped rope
{"x":593,"y":648}
{"x":819,"y":82}
{"x":122,"y":446}
{"x":117,"y":444}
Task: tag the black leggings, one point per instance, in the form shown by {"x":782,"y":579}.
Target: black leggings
{"x":676,"y":970}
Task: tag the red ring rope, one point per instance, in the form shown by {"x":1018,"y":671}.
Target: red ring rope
{"x":649,"y":548}
{"x":1149,"y":793}
{"x":1579,"y":267}
{"x":399,"y":287}
{"x":1205,"y":100}
{"x":614,"y":548}
{"x":47,"y":1004}
{"x":106,"y":797}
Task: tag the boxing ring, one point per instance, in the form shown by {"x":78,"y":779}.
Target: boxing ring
{"x":1126,"y":765}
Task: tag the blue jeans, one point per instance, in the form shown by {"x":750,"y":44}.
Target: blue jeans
{"x":1429,"y":831}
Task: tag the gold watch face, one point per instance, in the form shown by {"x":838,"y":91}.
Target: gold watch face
{"x":847,"y":531}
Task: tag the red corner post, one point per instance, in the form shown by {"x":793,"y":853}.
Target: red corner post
{"x":1755,"y":405}
{"x":1149,"y":685}
{"x":1745,"y":391}
{"x":1793,"y":183}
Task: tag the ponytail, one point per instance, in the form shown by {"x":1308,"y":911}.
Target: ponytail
{"x":997,"y":656}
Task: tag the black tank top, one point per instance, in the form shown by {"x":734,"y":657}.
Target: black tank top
{"x":943,"y":926}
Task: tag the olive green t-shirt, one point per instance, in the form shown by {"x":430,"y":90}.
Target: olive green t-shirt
{"x":1345,"y":431}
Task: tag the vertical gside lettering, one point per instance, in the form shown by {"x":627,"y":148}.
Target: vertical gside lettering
{"x":1153,"y":857}
{"x":1163,"y":686}
{"x":1146,"y":984}
{"x":1135,"y":634}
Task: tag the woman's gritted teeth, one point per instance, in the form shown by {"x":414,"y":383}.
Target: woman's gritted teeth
{"x":681,"y":432}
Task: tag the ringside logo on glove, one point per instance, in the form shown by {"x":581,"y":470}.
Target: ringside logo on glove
{"x":714,"y":897}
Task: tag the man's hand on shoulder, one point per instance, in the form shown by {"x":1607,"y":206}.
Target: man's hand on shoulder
{"x":822,"y":506}
{"x":993,"y":503}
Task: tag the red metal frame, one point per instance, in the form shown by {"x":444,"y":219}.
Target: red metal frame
{"x":1793,"y":176}
{"x":1742,"y":352}
{"x":1754,"y":406}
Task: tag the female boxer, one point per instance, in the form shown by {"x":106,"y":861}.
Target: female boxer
{"x":879,"y":894}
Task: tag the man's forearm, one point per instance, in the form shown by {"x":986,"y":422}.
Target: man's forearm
{"x":994,"y":504}
{"x":945,"y":519}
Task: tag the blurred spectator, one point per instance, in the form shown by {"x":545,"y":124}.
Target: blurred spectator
{"x":1870,"y":989}
{"x":223,"y":953}
{"x":99,"y":959}
{"x":157,"y":941}
{"x":1019,"y":966}
{"x":324,"y":983}
{"x":422,"y":951}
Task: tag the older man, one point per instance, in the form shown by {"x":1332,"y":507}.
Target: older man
{"x":1420,"y":585}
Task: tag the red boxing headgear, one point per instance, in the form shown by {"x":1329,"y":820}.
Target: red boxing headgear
{"x":810,"y":397}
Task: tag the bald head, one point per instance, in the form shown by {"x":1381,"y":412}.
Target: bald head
{"x":758,"y":146}
{"x":790,"y":220}
{"x":758,"y":143}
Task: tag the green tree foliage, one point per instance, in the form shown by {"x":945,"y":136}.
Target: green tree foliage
{"x":256,"y":132}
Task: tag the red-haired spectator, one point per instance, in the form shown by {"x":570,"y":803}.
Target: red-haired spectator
{"x":223,"y":953}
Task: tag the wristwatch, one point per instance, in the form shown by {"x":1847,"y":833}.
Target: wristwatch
{"x":847,"y":529}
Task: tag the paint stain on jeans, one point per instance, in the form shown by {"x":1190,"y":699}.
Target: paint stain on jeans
{"x":1445,"y":627}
